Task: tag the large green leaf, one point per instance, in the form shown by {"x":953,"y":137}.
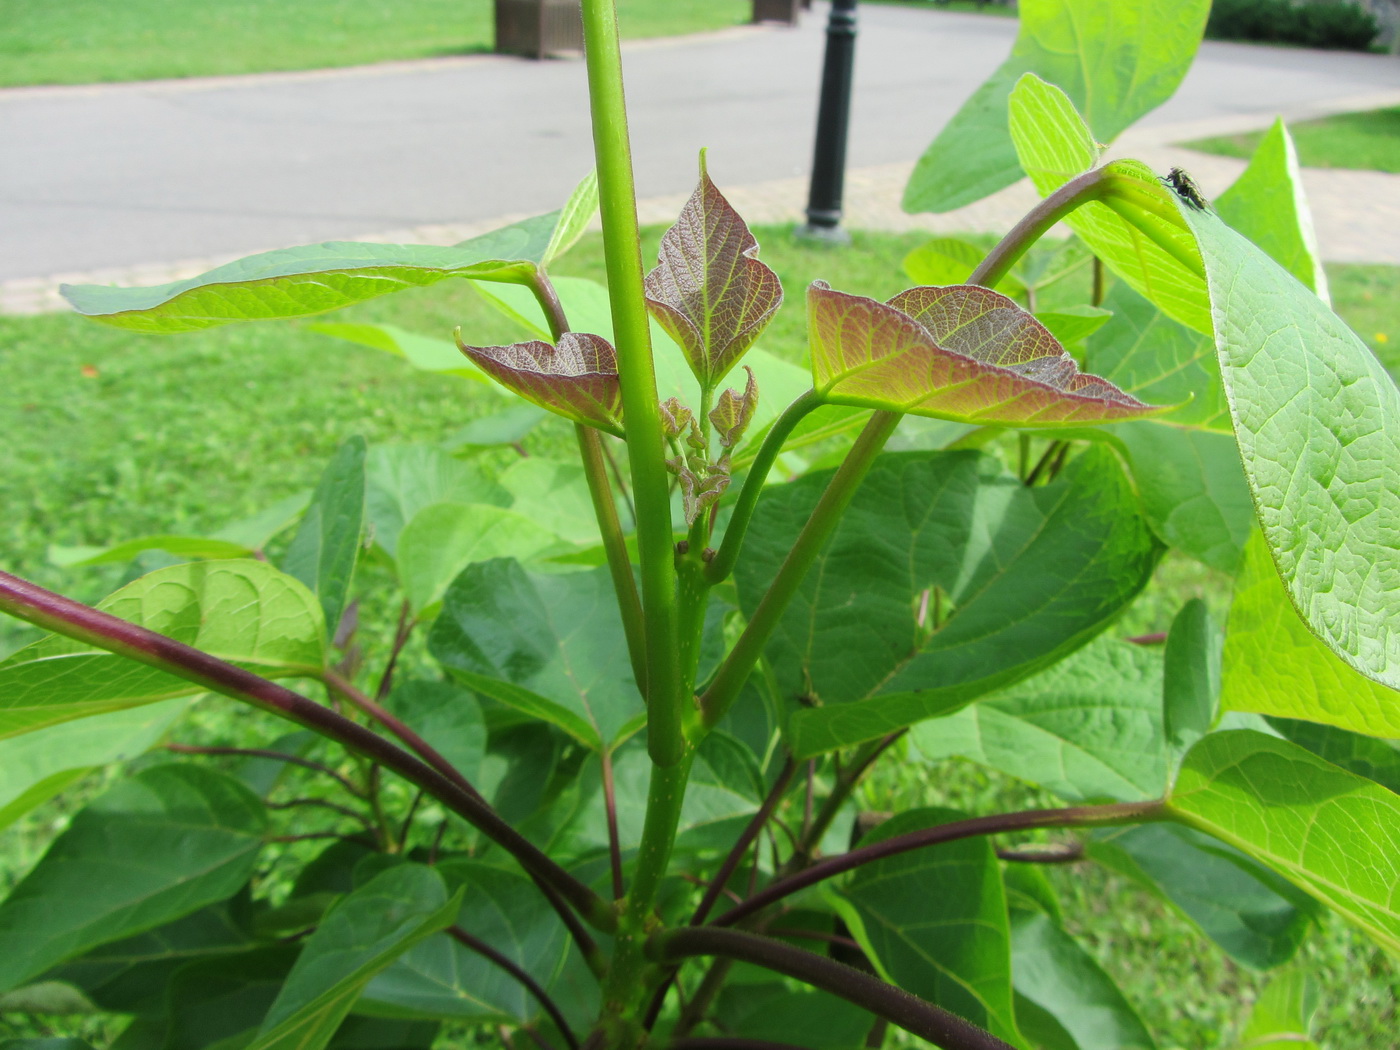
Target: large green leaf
{"x":1158,"y":360}
{"x":935,"y":919}
{"x":220,"y":1002}
{"x":1274,"y":665}
{"x":1089,"y":728}
{"x":1193,"y":491}
{"x":1332,"y":833}
{"x":1377,"y":760}
{"x":967,"y":581}
{"x":551,"y":639}
{"x":1054,"y":977}
{"x":245,"y":612}
{"x":1267,"y":204}
{"x":358,"y":939}
{"x":1317,"y":418}
{"x":1118,"y":61}
{"x":1282,"y":1015}
{"x":441,"y":978}
{"x":555,"y":496}
{"x":326,"y":547}
{"x":446,"y":716}
{"x":36,"y":766}
{"x":1191,"y":678}
{"x":132,"y":976}
{"x":443,"y":539}
{"x":1133,"y":227}
{"x":160,"y":845}
{"x":963,"y":353}
{"x":777,"y":1013}
{"x":400,"y":480}
{"x":709,"y":291}
{"x":294,"y":282}
{"x":1253,"y":913}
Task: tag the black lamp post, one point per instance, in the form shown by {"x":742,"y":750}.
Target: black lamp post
{"x":833,"y":119}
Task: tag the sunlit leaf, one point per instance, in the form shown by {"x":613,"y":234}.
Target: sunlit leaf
{"x":157,"y":846}
{"x":963,"y":353}
{"x":709,"y":291}
{"x":1071,"y":325}
{"x":294,"y":282}
{"x":1274,"y":665}
{"x":1267,"y":204}
{"x":185,"y":548}
{"x":574,"y":217}
{"x":242,"y":611}
{"x":421,"y":351}
{"x":1282,"y":1015}
{"x":1328,"y":831}
{"x":400,"y":480}
{"x":1117,"y":61}
{"x":1133,"y":226}
{"x":1317,"y":419}
{"x":576,"y":379}
{"x":1377,"y":760}
{"x":947,"y":260}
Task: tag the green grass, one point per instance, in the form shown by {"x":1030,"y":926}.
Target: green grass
{"x":1369,"y":141}
{"x":189,"y":432}
{"x":88,"y":41}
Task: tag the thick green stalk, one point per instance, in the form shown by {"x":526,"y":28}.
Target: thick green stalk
{"x":723,"y":562}
{"x":1090,"y":186}
{"x":724,"y":690}
{"x":632,"y":334}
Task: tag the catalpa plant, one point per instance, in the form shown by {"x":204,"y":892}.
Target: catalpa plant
{"x":621,"y":774}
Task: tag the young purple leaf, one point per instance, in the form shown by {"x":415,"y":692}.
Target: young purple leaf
{"x":577,"y":379}
{"x":675,"y":417}
{"x":708,"y":290}
{"x":963,"y":353}
{"x":701,"y":486}
{"x":731,"y":416}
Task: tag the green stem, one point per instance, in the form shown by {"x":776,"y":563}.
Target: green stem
{"x":724,"y":690}
{"x":723,"y":562}
{"x":632,"y":332}
{"x":590,"y":449}
{"x":627,"y":978}
{"x":1092,"y":185}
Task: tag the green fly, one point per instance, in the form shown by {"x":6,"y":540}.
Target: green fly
{"x":1186,"y":188}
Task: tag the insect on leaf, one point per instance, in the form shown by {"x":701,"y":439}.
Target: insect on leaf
{"x":963,"y":353}
{"x":709,"y":291}
{"x":577,"y":379}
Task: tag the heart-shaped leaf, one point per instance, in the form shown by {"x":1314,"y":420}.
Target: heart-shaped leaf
{"x":1317,"y":419}
{"x":709,"y":291}
{"x":963,"y":353}
{"x":1117,"y":61}
{"x":577,"y":379}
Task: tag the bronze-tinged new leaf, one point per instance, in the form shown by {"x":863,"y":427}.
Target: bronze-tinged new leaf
{"x":577,"y":379}
{"x":732,"y":415}
{"x":963,"y":353}
{"x":708,"y":290}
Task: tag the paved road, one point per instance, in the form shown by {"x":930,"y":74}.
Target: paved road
{"x":116,"y":176}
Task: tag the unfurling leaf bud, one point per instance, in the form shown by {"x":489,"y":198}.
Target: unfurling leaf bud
{"x":732,"y":415}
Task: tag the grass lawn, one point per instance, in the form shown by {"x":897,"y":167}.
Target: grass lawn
{"x":1368,"y":140}
{"x":86,"y":41}
{"x":110,"y":435}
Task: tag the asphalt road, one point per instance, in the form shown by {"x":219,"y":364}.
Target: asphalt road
{"x":118,"y":175}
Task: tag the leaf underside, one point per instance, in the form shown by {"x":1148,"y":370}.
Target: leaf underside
{"x":577,"y":379}
{"x":708,"y":290}
{"x":962,"y":353}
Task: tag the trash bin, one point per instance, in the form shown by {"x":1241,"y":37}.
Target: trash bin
{"x":538,"y":28}
{"x":779,"y":10}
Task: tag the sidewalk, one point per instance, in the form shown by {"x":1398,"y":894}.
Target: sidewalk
{"x":103,"y":183}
